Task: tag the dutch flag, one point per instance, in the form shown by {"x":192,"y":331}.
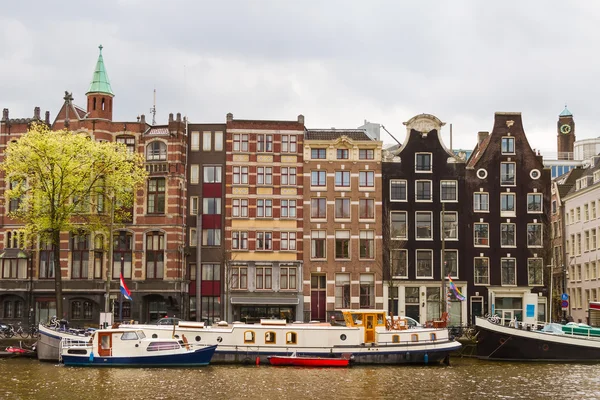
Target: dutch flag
{"x":124,"y":291}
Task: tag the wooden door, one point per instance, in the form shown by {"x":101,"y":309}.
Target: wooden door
{"x":104,"y":344}
{"x":318,"y":297}
{"x":369,"y":323}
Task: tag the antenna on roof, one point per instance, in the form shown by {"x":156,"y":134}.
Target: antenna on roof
{"x":388,"y":132}
{"x":153,"y":109}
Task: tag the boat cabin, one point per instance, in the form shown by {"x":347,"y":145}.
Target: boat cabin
{"x":367,"y":319}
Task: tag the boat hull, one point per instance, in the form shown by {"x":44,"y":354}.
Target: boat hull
{"x":308,"y":361}
{"x":48,"y":344}
{"x":495,"y":342}
{"x":199,"y":357}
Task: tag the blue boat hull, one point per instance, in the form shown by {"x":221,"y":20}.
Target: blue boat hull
{"x":196,"y":358}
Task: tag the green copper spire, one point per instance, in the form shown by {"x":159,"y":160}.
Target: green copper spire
{"x":565,"y":113}
{"x":100,"y":82}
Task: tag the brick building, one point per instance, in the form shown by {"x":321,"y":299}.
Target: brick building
{"x":148,"y":249}
{"x":342,"y":232}
{"x":206,"y":220}
{"x":423,"y":187}
{"x":264,"y":219}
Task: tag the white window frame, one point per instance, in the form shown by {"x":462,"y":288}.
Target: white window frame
{"x":514,"y":235}
{"x":514,"y":267}
{"x":487,"y":261}
{"x":508,"y":213}
{"x":514,"y":164}
{"x":402,"y":237}
{"x":430,"y":199}
{"x":487,"y":239}
{"x":430,"y":163}
{"x":442,"y":228}
{"x":541,"y":197}
{"x":480,"y":210}
{"x":430,"y":213}
{"x":207,"y":141}
{"x":455,"y":200}
{"x":400,"y":181}
{"x":417,"y":251}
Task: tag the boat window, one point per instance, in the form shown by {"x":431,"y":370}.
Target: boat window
{"x":141,"y":335}
{"x":395,"y":338}
{"x":343,"y":337}
{"x":249,"y":337}
{"x":129,"y":336}
{"x":198,"y":338}
{"x":414,"y":338}
{"x":380,"y":319}
{"x":270,"y":337}
{"x":432,"y":337}
{"x":290,"y":338}
{"x":356,"y":319}
{"x":105,"y":342}
{"x":162,"y":346}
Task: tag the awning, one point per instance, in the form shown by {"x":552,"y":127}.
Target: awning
{"x":292,"y":301}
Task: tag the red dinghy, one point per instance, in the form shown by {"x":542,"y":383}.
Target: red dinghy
{"x":296,"y":361}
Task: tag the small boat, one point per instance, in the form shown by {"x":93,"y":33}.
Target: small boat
{"x":21,"y":351}
{"x":296,"y":361}
{"x":131,"y":348}
{"x":554,"y":342}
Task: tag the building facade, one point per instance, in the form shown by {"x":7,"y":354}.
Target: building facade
{"x":508,"y":243}
{"x":147,"y":249}
{"x":423,"y":219}
{"x":205,"y":250}
{"x":343,"y":267}
{"x":264,"y":219}
{"x":582,"y":226}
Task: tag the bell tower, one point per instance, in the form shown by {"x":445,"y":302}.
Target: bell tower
{"x":100,"y":94}
{"x":565,"y":141}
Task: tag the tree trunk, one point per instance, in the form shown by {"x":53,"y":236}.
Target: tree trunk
{"x":57,"y":274}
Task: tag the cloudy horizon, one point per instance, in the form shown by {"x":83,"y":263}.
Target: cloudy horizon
{"x":338,"y":62}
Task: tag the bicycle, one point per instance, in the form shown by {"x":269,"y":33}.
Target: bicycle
{"x":21,"y":332}
{"x":33,"y":331}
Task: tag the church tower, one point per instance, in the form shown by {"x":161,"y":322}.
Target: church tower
{"x":100,"y":94}
{"x":565,"y":141}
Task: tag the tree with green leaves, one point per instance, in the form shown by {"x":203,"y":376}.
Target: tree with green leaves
{"x":63,"y":181}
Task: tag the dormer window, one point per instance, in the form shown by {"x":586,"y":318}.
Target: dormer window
{"x":423,"y":162}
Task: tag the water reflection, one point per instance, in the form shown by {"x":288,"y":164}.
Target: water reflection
{"x":464,"y":379}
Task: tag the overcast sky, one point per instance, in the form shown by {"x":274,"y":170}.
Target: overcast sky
{"x":336,"y":62}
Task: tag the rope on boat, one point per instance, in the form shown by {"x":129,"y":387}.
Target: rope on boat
{"x":501,"y":344}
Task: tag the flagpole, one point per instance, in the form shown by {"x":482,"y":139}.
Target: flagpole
{"x":121,"y":306}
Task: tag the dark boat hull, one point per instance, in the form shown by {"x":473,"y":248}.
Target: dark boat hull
{"x":495,"y":342}
{"x":196,"y":358}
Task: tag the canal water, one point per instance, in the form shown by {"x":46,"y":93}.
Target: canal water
{"x":463,"y":379}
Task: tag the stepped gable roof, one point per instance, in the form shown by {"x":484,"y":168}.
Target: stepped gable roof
{"x":332,"y":134}
{"x":100,"y":82}
{"x":565,"y":113}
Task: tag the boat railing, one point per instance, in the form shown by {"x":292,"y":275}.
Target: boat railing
{"x":69,"y":342}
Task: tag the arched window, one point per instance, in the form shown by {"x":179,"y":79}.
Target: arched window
{"x":98,"y":256}
{"x":249,"y":337}
{"x":80,"y":255}
{"x":88,"y":309}
{"x":155,"y":255}
{"x":291,"y":338}
{"x":122,"y":254}
{"x":270,"y":337}
{"x":156,"y":151}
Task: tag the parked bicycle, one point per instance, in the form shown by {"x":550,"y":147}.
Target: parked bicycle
{"x":7,"y":330}
{"x":21,"y":331}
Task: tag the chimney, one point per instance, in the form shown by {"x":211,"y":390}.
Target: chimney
{"x":301,"y":119}
{"x":229,"y":117}
{"x":481,"y":136}
{"x":143,"y":119}
{"x":170,"y":117}
{"x":47,"y":118}
{"x":36,"y":113}
{"x":5,"y":114}
{"x":178,"y":117}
